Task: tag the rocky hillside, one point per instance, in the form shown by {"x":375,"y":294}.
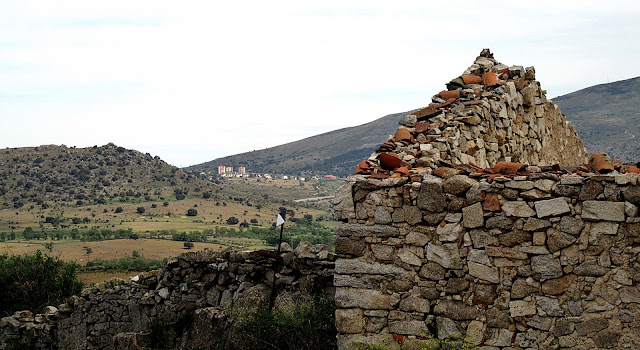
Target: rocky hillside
{"x":336,"y":152}
{"x":607,"y":117}
{"x":94,"y":174}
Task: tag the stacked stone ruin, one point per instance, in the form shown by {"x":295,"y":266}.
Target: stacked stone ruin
{"x":490,"y":113}
{"x":443,"y":239}
{"x":201,"y":285}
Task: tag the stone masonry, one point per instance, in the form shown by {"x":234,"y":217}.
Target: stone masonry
{"x":491,"y":113}
{"x":116,"y":314}
{"x":523,"y":261}
{"x":444,"y":236}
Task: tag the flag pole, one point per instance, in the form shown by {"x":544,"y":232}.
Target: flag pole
{"x":272,"y":299}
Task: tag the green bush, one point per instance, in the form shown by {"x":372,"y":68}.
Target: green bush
{"x":31,"y":282}
{"x":302,"y":322}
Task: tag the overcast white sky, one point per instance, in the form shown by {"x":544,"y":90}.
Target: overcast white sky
{"x":191,"y":81}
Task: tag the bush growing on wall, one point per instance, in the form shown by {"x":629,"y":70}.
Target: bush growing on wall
{"x":300,"y":322}
{"x":31,"y":282}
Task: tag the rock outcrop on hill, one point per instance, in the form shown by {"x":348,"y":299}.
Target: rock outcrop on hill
{"x":491,"y":113}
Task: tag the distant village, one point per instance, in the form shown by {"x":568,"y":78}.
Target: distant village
{"x":241,"y":171}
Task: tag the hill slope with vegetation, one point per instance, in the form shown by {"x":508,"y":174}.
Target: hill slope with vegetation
{"x":79,"y":198}
{"x":336,"y":152}
{"x":607,"y":117}
{"x":86,"y":175}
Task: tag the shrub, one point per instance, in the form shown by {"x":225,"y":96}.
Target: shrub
{"x":300,"y":321}
{"x":192,"y":212}
{"x":31,"y":282}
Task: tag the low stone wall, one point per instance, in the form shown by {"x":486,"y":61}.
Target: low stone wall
{"x":544,"y":260}
{"x":196,"y":284}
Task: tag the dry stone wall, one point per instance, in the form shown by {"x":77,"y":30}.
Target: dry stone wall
{"x":525,"y":261}
{"x":491,"y":113}
{"x":116,"y":314}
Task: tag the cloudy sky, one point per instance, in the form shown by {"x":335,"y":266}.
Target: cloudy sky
{"x":191,"y":81}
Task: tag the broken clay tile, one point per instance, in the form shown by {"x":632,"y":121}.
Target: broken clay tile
{"x":630,"y":169}
{"x":445,"y":172}
{"x":402,"y":134}
{"x":491,"y":202}
{"x":490,"y":79}
{"x":601,"y":163}
{"x":389,"y":161}
{"x":426,"y":112}
{"x":422,"y":127}
{"x":363,"y":167}
{"x":432,"y":110}
{"x":507,"y":168}
{"x":472,"y":102}
{"x":450,"y":94}
{"x":471,"y":79}
{"x":395,"y":175}
{"x":403,"y":170}
{"x":380,"y":176}
{"x":416,"y":179}
{"x":398,"y":338}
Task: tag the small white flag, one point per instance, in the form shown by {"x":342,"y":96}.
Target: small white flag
{"x":280,"y":221}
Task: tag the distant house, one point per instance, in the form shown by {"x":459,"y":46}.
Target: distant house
{"x":221,"y":169}
{"x":228,"y":169}
{"x":267,"y":176}
{"x":330,"y":177}
{"x":242,"y":170}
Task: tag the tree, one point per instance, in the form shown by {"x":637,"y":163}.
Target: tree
{"x":232,"y":221}
{"x":188,"y":245}
{"x":119,"y":210}
{"x":135,"y":254}
{"x":89,"y":251}
{"x":140,"y":210}
{"x":166,"y":204}
{"x":192,"y":212}
{"x":31,"y":282}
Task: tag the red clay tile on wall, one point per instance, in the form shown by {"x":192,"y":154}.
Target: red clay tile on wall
{"x":490,"y":79}
{"x":403,"y":170}
{"x":363,"y":167}
{"x":389,"y":161}
{"x":471,"y":79}
{"x":402,"y":134}
{"x":422,"y":127}
{"x":508,"y":168}
{"x":450,"y":94}
{"x":600,"y":163}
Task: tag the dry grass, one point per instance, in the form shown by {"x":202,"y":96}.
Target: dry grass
{"x":107,"y":250}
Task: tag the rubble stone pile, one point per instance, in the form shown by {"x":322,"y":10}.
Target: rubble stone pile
{"x":119,"y":314}
{"x":491,"y":113}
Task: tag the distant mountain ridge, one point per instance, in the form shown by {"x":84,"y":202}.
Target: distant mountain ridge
{"x":336,"y":152}
{"x":606,"y":116}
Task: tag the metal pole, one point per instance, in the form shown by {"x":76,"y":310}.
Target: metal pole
{"x":272,"y":299}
